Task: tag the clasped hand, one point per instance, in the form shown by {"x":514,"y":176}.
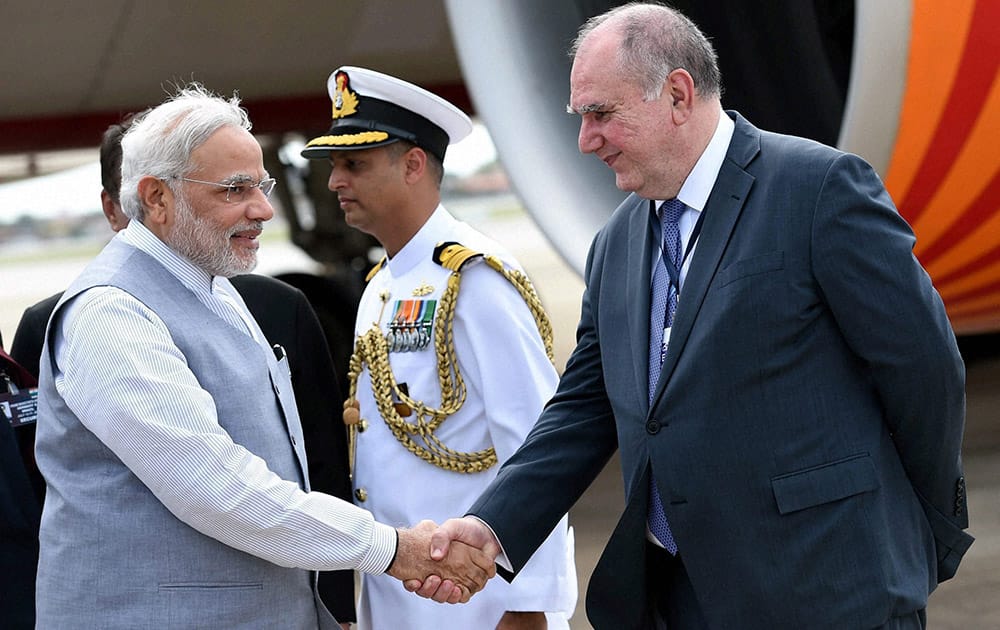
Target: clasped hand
{"x":446,"y":564}
{"x":457,"y":542}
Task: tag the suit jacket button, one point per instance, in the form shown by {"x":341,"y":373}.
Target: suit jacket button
{"x":652,"y":427}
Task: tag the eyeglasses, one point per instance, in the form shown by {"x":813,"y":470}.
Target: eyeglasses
{"x":237,"y":191}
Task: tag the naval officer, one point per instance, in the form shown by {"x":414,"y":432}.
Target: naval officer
{"x":453,"y":350}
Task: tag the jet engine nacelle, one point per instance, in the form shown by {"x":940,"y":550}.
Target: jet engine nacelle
{"x":910,"y":85}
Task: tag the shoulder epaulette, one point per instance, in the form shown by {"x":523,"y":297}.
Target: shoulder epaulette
{"x":371,"y":349}
{"x":454,"y":256}
{"x":371,"y":274}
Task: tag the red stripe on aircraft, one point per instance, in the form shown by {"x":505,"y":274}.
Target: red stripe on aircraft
{"x":975,"y":75}
{"x":985,"y":205}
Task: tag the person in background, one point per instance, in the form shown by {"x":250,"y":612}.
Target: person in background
{"x":168,"y":435}
{"x":29,"y":336}
{"x":20,"y":504}
{"x":452,"y":358}
{"x":769,"y":358}
{"x":286,"y":318}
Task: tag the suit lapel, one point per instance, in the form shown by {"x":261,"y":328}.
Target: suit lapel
{"x":722,"y":211}
{"x":640,"y":250}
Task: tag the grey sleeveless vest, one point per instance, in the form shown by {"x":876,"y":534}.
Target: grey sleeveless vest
{"x":112,"y":556}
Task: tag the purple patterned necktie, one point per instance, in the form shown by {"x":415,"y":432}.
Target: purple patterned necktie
{"x":662,"y":304}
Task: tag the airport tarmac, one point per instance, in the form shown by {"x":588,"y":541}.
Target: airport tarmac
{"x":970,"y":601}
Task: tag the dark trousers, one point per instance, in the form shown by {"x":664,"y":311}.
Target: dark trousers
{"x":673,"y":601}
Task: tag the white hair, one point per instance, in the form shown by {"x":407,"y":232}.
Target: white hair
{"x":159,"y":143}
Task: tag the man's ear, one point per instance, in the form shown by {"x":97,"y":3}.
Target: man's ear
{"x":415,"y":161}
{"x":113,"y":212}
{"x":157,"y":201}
{"x":679,"y":88}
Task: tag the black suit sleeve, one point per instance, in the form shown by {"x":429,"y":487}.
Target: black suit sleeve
{"x":26,"y":348}
{"x":568,"y":447}
{"x":21,"y":494}
{"x":319,"y":403}
{"x":286,"y":317}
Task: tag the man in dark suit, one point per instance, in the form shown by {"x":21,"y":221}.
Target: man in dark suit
{"x":20,"y":507}
{"x":287,"y":319}
{"x":769,"y":357}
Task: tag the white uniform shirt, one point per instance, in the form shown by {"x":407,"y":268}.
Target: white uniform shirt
{"x":119,"y":371}
{"x":508,"y":378}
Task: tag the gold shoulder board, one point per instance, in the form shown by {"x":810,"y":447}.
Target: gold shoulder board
{"x":454,"y":256}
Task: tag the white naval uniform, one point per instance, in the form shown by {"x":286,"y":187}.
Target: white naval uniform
{"x":508,"y":379}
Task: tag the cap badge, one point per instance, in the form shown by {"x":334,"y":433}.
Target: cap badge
{"x":345,"y":102}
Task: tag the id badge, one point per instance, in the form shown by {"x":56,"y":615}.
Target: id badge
{"x":663,"y":346}
{"x":20,"y":408}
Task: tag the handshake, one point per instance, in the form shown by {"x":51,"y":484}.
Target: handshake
{"x":450,"y":563}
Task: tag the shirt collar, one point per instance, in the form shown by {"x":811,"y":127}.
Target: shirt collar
{"x":427,"y":237}
{"x":193,"y":277}
{"x":699,"y":183}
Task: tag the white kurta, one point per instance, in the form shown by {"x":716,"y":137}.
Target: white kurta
{"x":508,"y":379}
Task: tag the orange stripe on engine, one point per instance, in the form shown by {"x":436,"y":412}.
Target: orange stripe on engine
{"x":965,"y":101}
{"x":975,"y":230}
{"x":978,"y":305}
{"x":937,"y":37}
{"x":983,"y":272}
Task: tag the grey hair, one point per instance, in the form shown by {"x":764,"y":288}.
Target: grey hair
{"x":159,"y":143}
{"x":655,"y":41}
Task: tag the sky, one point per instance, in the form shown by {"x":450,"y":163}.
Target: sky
{"x":72,"y":192}
{"x":472,"y":153}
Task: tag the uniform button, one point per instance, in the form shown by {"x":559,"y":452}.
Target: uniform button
{"x":362,"y":426}
{"x":652,"y":427}
{"x":361,"y":494}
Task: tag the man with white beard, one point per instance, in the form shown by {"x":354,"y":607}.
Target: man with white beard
{"x":168,"y":435}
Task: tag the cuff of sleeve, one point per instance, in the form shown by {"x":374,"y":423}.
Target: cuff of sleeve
{"x":502,"y":559}
{"x":381,"y":551}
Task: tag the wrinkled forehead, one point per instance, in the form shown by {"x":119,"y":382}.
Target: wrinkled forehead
{"x":590,"y":92}
{"x":595,"y":67}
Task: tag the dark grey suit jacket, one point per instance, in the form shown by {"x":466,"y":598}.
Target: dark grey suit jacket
{"x":806,"y":429}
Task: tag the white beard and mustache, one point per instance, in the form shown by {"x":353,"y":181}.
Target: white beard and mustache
{"x":204,"y":244}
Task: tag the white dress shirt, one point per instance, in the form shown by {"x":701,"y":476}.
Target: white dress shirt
{"x":120,"y":373}
{"x":695,"y":191}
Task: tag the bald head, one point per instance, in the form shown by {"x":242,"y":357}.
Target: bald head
{"x":651,"y":41}
{"x":646,"y":86}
